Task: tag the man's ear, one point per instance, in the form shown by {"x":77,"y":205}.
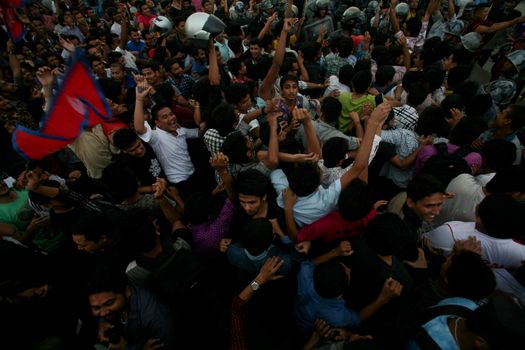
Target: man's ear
{"x":410,"y":203}
{"x":480,"y":343}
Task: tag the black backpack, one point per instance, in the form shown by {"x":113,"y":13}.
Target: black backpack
{"x":423,"y":340}
{"x":445,"y":166}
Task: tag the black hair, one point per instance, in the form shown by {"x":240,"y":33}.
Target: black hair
{"x":384,"y":75}
{"x":345,"y":47}
{"x":92,"y":225}
{"x":145,"y":232}
{"x":383,"y":234}
{"x":124,"y":138}
{"x":417,"y":93}
{"x":257,"y":236}
{"x":234,"y":147}
{"x":378,"y":52}
{"x":478,"y":105}
{"x":223,"y":119}
{"x":330,"y":279}
{"x":501,"y":216}
{"x":331,"y":108}
{"x":346,"y":73}
{"x":234,"y":65}
{"x":252,"y":183}
{"x":334,"y":151}
{"x":509,"y":179}
{"x":354,"y":202}
{"x":361,"y":81}
{"x":500,"y":322}
{"x":413,"y":26}
{"x":304,"y":178}
{"x":235,"y":93}
{"x":434,"y":76}
{"x":107,"y":279}
{"x":287,"y":78}
{"x":362,"y":64}
{"x":156,"y":109}
{"x":287,"y":65}
{"x":462,"y":56}
{"x":422,"y":186}
{"x":120,"y":180}
{"x":498,"y":154}
{"x":150,"y":64}
{"x":468,"y":276}
{"x":467,"y":89}
{"x":411,"y":77}
{"x":452,"y":101}
{"x":516,"y":113}
{"x":110,"y":88}
{"x":457,"y":75}
{"x":466,"y":131}
{"x":431,"y":121}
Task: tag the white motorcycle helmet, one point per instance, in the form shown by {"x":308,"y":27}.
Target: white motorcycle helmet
{"x":402,"y":9}
{"x":161,"y":25}
{"x":471,"y":41}
{"x":201,"y":27}
{"x":353,"y":13}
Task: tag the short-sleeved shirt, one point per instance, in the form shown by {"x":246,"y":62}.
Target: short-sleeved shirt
{"x":309,"y":306}
{"x":309,"y":208}
{"x":147,"y":168}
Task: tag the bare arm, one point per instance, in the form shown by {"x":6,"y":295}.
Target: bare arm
{"x":171,"y":214}
{"x":499,"y":26}
{"x":141,"y":91}
{"x":304,"y":76}
{"x":123,"y":30}
{"x":407,"y":162}
{"x":219,"y":162}
{"x":273,"y":143}
{"x":344,"y":249}
{"x":266,"y":90}
{"x":267,"y":26}
{"x":303,"y":117}
{"x":213,"y":72}
{"x":374,"y":123}
{"x":391,"y":289}
{"x":393,"y":17}
{"x":14,"y":63}
{"x":451,"y":9}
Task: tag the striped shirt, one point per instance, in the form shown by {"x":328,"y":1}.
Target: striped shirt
{"x":406,"y":117}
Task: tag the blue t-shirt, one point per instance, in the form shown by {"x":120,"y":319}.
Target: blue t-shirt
{"x":309,"y":306}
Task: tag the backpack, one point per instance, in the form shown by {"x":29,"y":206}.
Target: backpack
{"x":423,"y":340}
{"x":445,"y":166}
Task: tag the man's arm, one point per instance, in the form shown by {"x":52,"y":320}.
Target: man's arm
{"x":343,"y":249}
{"x":266,"y":90}
{"x":290,"y":199}
{"x":213,"y":70}
{"x":123,"y":30}
{"x":141,"y":91}
{"x":273,"y":144}
{"x":219,"y":162}
{"x":391,"y":289}
{"x":303,"y":117}
{"x":171,"y":214}
{"x":374,"y":123}
{"x":407,"y":162}
{"x":499,"y":26}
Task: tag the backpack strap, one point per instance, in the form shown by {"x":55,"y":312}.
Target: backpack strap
{"x":423,"y":340}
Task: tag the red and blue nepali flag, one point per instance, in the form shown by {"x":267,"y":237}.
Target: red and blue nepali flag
{"x":15,"y":28}
{"x":79,"y":104}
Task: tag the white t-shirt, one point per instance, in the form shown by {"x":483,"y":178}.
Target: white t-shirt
{"x":497,"y":252}
{"x":468,"y":193}
{"x":172,"y":151}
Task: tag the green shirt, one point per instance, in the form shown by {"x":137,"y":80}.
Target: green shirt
{"x":9,"y":211}
{"x":352,"y":105}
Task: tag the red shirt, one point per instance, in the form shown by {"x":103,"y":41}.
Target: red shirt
{"x":334,"y":226}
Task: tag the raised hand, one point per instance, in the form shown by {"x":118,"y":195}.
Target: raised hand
{"x":391,"y":289}
{"x":344,"y":249}
{"x":219,"y":161}
{"x":45,"y":76}
{"x":269,"y":269}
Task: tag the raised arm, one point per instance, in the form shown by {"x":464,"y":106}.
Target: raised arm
{"x":374,"y":123}
{"x":266,"y":91}
{"x":391,"y":289}
{"x":213,"y":71}
{"x":219,"y":162}
{"x":343,"y":249}
{"x":393,"y":16}
{"x":141,"y":91}
{"x":267,"y":26}
{"x":123,"y":30}
{"x":303,"y":117}
{"x":499,"y":26}
{"x":273,"y":144}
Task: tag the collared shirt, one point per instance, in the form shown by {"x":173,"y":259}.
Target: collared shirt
{"x":309,"y":208}
{"x":172,"y":151}
{"x":333,"y":63}
{"x":406,"y":142}
{"x":185,"y":85}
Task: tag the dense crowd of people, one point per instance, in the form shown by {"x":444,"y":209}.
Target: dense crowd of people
{"x":321,"y":174}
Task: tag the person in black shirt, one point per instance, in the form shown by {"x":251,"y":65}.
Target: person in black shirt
{"x":138,"y":156}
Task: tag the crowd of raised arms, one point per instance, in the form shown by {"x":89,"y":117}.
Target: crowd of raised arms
{"x":315,"y":174}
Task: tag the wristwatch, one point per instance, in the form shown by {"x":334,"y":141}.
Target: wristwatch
{"x":255,"y":286}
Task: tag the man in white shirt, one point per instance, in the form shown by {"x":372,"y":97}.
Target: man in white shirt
{"x":168,"y":141}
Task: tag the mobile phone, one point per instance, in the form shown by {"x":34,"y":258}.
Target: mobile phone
{"x":379,"y":99}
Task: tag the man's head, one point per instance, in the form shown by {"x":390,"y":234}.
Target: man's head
{"x":361,"y":81}
{"x":237,"y":147}
{"x":117,"y":72}
{"x":173,"y":67}
{"x":93,"y":232}
{"x":384,"y":234}
{"x":164,"y":118}
{"x":467,"y":275}
{"x":304,"y":178}
{"x":255,"y":49}
{"x":239,"y":96}
{"x":509,"y":181}
{"x":252,"y":187}
{"x":257,"y":236}
{"x":425,"y":195}
{"x":331,"y":279}
{"x":121,"y":181}
{"x":289,"y":87}
{"x":481,"y":11}
{"x":498,"y":154}
{"x":129,"y":143}
{"x":108,"y":295}
{"x":331,"y":109}
{"x":151,"y":73}
{"x":134,"y":35}
{"x":512,"y":117}
{"x":500,"y":216}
